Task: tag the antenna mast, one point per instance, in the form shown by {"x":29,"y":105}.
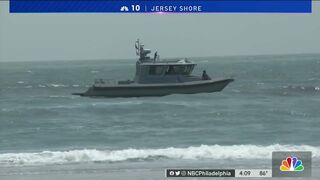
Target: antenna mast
{"x":137,"y":46}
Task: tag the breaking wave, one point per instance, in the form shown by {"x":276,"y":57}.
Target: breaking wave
{"x":57,"y":85}
{"x":192,"y":153}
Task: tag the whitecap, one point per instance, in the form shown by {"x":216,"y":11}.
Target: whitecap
{"x":193,"y":152}
{"x":57,"y":85}
{"x":236,"y":90}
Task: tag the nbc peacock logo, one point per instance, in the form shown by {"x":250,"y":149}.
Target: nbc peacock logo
{"x":291,"y":164}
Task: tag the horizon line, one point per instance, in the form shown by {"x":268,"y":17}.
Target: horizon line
{"x":121,"y":59}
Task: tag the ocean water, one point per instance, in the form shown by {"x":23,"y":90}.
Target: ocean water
{"x":273,"y":104}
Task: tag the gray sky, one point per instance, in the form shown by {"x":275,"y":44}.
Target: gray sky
{"x":40,"y":37}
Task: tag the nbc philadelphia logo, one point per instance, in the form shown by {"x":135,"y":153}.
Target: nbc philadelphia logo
{"x":291,"y":164}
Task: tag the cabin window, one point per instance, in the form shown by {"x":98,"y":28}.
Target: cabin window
{"x":179,"y":69}
{"x":156,"y":70}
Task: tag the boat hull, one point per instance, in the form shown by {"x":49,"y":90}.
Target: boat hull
{"x":140,"y":90}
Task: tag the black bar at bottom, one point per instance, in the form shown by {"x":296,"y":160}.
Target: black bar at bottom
{"x":200,"y":173}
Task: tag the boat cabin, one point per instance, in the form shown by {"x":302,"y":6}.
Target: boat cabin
{"x":154,"y":70}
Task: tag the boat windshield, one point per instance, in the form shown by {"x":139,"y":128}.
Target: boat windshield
{"x":179,"y":69}
{"x":171,"y":70}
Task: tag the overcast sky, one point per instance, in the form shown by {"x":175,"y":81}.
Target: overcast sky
{"x":43,"y":37}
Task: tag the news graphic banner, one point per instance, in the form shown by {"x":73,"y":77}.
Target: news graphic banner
{"x":284,"y":164}
{"x":161,"y":6}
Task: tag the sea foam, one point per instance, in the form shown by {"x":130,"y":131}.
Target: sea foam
{"x":192,"y":153}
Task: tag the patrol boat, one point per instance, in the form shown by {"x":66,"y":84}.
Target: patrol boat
{"x":157,"y":77}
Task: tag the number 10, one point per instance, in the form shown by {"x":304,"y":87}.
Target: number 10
{"x":135,"y":7}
